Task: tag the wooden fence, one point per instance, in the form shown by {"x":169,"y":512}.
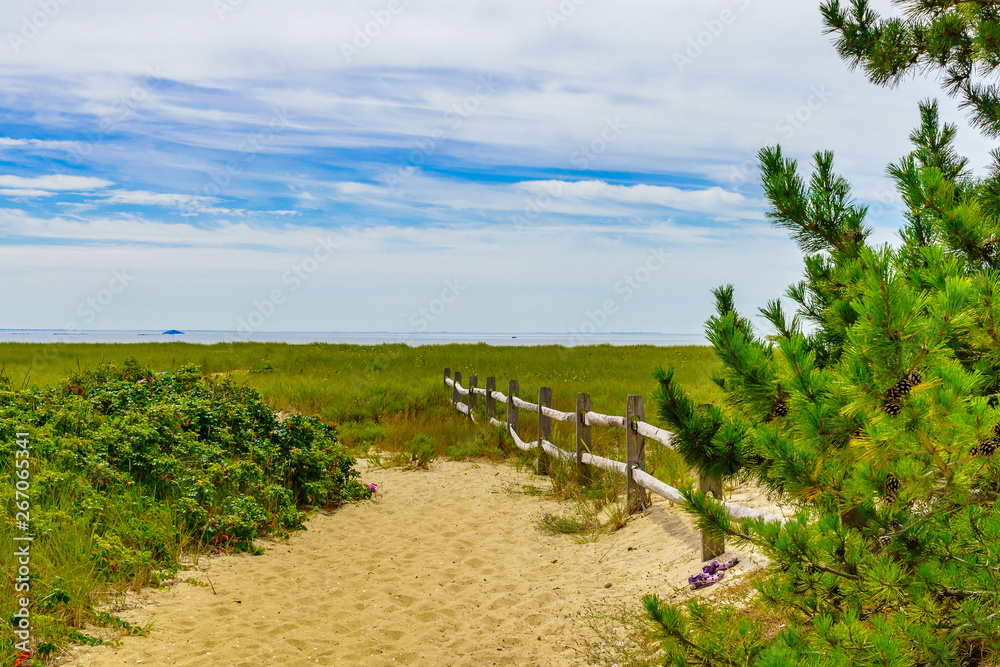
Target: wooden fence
{"x":637,"y":431}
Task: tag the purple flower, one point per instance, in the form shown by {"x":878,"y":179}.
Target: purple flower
{"x":372,"y":487}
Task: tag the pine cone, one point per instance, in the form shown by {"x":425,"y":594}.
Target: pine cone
{"x":902,"y":387}
{"x":892,"y":486}
{"x":891,"y":408}
{"x":987,"y":447}
{"x":989,"y":249}
{"x":780,"y":409}
{"x":884,"y":541}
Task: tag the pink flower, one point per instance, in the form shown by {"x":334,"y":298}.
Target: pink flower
{"x":372,"y":487}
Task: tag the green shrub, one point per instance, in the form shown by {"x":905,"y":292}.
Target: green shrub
{"x":488,"y":443}
{"x":584,"y":521}
{"x":129,"y":467}
{"x":422,"y":450}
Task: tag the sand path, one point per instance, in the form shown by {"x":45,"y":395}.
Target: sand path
{"x":445,"y":567}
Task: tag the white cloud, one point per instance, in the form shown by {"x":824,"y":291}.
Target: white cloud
{"x":534,"y":198}
{"x":8,"y":142}
{"x":401,"y":269}
{"x":25,"y":192}
{"x":352,"y":188}
{"x":558,"y":83}
{"x":138,"y":231}
{"x":558,"y":86}
{"x":55,"y":183}
{"x":187,"y":204}
{"x":712,"y":199}
{"x":144,"y":198}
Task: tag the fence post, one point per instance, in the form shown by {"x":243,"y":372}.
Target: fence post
{"x":544,"y":430}
{"x":447,"y":375}
{"x":473,"y":381}
{"x":635,"y":450}
{"x":491,"y":408}
{"x":710,"y":548}
{"x":512,"y":409}
{"x":583,"y":406}
{"x":455,"y":396}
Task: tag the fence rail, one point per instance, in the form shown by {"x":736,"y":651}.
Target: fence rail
{"x":637,"y":432}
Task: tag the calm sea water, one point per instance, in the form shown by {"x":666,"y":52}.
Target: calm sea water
{"x":373,"y":338}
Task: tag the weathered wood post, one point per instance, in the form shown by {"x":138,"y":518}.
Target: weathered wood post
{"x":635,"y":451}
{"x":491,"y":408}
{"x":544,"y":430}
{"x":512,"y":410}
{"x":455,"y":396}
{"x":583,"y":406}
{"x":710,"y":548}
{"x":447,"y":376}
{"x":472,"y":395}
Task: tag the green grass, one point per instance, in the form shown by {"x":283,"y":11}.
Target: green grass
{"x":395,"y":387}
{"x":387,"y":398}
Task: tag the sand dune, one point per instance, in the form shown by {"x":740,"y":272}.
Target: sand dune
{"x":445,"y":567}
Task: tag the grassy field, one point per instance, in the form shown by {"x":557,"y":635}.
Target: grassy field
{"x":385,"y":394}
{"x":389,"y":403}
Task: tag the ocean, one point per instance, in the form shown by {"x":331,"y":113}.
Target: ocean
{"x":350,"y":338}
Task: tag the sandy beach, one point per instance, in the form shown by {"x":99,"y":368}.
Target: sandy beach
{"x":445,"y":567}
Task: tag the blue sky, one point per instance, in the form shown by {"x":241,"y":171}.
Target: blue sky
{"x":394,"y":165}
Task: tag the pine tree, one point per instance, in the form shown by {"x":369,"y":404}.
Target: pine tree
{"x":872,"y":410}
{"x":958,"y":38}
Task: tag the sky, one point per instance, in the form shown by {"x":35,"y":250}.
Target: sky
{"x":565,"y":166}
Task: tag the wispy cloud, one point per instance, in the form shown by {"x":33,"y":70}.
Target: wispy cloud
{"x":41,"y":144}
{"x":171,"y":200}
{"x":187,"y":205}
{"x":454,"y":142}
{"x":47,"y":186}
{"x":713,"y":199}
{"x":55,"y":182}
{"x":29,"y":193}
{"x":586,"y":198}
{"x":132,"y":230}
{"x":228,"y":266}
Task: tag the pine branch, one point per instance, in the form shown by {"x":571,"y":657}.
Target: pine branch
{"x":830,"y":570}
{"x":962,"y":594}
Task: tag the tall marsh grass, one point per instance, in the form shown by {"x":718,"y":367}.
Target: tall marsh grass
{"x":384,"y":395}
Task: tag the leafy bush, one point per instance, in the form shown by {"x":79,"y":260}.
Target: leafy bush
{"x":129,"y":467}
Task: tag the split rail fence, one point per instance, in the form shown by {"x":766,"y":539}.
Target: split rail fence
{"x":637,"y":430}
